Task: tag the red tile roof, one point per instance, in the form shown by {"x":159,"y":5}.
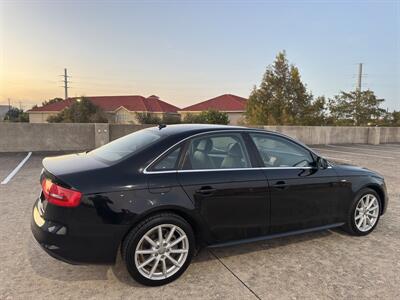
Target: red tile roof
{"x":111,"y":103}
{"x":225,"y":102}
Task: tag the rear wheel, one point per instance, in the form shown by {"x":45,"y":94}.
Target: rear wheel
{"x":159,"y":249}
{"x":364,"y":214}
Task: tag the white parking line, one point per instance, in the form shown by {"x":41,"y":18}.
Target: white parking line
{"x":352,"y":153}
{"x":15,"y":171}
{"x":362,"y":148}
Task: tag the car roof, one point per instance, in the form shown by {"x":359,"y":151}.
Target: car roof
{"x":168,"y":130}
{"x":186,"y":130}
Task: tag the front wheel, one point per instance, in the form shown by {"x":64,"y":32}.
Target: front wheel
{"x":159,"y":249}
{"x":364,"y":214}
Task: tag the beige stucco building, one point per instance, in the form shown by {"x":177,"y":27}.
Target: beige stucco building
{"x":119,"y":109}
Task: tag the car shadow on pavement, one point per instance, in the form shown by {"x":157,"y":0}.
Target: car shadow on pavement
{"x":248,"y":248}
{"x":207,"y":255}
{"x":46,"y":266}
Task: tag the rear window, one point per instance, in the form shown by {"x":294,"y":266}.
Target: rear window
{"x":127,"y":145}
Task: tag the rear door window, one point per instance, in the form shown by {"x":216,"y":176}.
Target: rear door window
{"x":222,"y":151}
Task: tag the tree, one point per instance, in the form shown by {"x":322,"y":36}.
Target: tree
{"x":359,"y":108}
{"x":282,"y":98}
{"x":16,"y":115}
{"x":50,"y":101}
{"x":207,"y":117}
{"x":214,"y":117}
{"x":316,"y":112}
{"x":170,"y":119}
{"x":147,"y":118}
{"x":192,"y":119}
{"x":81,"y":111}
{"x":395,"y":118}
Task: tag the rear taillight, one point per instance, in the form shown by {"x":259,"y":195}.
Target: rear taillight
{"x":60,"y":196}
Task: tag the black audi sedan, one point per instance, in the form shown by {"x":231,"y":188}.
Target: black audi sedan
{"x":160,"y":194}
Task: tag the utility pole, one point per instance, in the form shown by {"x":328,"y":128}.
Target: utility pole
{"x":359,"y":77}
{"x":9,"y":104}
{"x":65,"y":83}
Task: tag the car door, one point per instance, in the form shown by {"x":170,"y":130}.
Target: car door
{"x":302,"y":195}
{"x":231,"y":196}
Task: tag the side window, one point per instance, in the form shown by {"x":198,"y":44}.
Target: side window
{"x":280,"y":152}
{"x":222,"y":151}
{"x":168,"y":162}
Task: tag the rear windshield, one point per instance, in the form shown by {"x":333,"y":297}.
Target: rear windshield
{"x":127,"y":145}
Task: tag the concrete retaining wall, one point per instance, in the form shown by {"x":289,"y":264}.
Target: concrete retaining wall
{"x":317,"y":135}
{"x":15,"y":137}
{"x":119,"y":130}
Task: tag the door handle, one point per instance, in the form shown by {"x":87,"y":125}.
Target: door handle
{"x":206,"y":190}
{"x":281,"y":184}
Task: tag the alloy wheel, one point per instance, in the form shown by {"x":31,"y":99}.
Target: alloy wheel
{"x":161,"y":252}
{"x":366,"y":213}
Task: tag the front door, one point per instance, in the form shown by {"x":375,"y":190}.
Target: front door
{"x":302,"y":195}
{"x":231,"y":196}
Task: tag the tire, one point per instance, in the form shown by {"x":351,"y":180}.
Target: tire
{"x":137,"y":249}
{"x":352,"y":225}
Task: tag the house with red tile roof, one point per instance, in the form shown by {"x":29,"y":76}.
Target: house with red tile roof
{"x":119,"y":109}
{"x":234,"y":106}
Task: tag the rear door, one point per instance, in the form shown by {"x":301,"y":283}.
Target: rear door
{"x":231,"y":196}
{"x":302,"y":195}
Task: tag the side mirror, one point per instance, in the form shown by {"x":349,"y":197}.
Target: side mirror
{"x":322,"y":163}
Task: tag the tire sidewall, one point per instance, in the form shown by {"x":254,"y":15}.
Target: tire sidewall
{"x":133,"y":240}
{"x":352,"y":223}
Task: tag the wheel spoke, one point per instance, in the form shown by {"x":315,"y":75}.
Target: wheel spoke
{"x":373,"y":208}
{"x":147,"y":251}
{"x":364,"y":201}
{"x":177,"y":241}
{"x":360,"y":222}
{"x":364,"y":222}
{"x":164,"y":268}
{"x":146,"y":262}
{"x":173,"y":260}
{"x":160,"y":236}
{"x":171,"y":233}
{"x":151,"y":242}
{"x":154,"y":267}
{"x":178,"y":251}
{"x":358,"y":216}
{"x":370,"y":204}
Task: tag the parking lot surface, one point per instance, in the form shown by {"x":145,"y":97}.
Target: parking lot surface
{"x":321,"y":265}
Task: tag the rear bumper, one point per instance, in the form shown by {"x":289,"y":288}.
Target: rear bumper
{"x":75,"y":248}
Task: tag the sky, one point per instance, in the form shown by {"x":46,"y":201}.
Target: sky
{"x":190,"y":51}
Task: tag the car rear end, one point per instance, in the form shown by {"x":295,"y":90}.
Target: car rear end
{"x":80,"y":215}
{"x":69,"y":226}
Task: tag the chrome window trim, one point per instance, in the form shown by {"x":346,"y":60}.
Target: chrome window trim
{"x":244,"y":169}
{"x":145,"y":171}
{"x":229,"y":169}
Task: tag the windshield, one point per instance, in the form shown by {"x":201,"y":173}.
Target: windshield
{"x":127,"y":145}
